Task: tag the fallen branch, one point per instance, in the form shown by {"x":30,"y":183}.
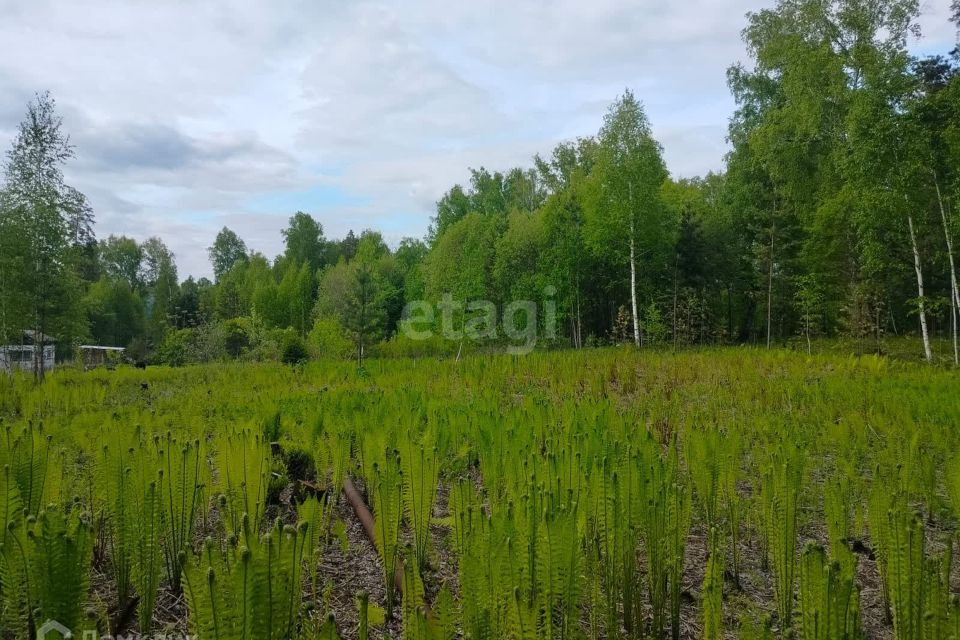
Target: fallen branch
{"x":366,"y":520}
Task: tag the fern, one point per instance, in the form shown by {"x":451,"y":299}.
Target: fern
{"x":666,"y":523}
{"x":61,"y":550}
{"x":312,"y":515}
{"x":180,"y":483}
{"x":829,"y":599}
{"x":906,"y":573}
{"x":146,"y":548}
{"x":243,"y":467}
{"x":113,"y":479}
{"x":386,"y":484}
{"x":18,"y":592}
{"x":713,"y":590}
{"x":443,"y":617}
{"x":838,"y":512}
{"x":250,"y":591}
{"x":704,"y":462}
{"x":45,"y":572}
{"x":420,"y":477}
{"x":781,"y":491}
{"x":28,"y":455}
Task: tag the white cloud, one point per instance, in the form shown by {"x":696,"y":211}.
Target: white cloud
{"x":188,"y":116}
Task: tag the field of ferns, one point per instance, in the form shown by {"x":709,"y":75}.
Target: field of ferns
{"x":603,"y":494}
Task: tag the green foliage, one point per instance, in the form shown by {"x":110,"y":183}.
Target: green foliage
{"x":356,"y":295}
{"x":146,"y":551}
{"x":243,"y":461}
{"x":45,"y":574}
{"x":421,"y":475}
{"x":328,"y":339}
{"x":43,"y":225}
{"x":236,"y":337}
{"x":385,"y":491}
{"x":28,"y":453}
{"x":831,"y":217}
{"x":782,"y":486}
{"x":304,"y":241}
{"x":227,"y":251}
{"x":829,"y":599}
{"x":713,"y":589}
{"x":565,"y":490}
{"x":666,"y":523}
{"x":299,"y":464}
{"x":294,"y":350}
{"x":907,"y":574}
{"x":247,"y":589}
{"x":654,"y":328}
{"x":181,"y":484}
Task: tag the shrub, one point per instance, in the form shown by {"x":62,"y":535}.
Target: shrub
{"x":403,"y":346}
{"x":276,"y":485}
{"x":236,"y":336}
{"x":294,"y":350}
{"x":175,"y":350}
{"x":654,"y":328}
{"x":328,"y":339}
{"x":300,"y":464}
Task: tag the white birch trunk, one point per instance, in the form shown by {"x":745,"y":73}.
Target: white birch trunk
{"x":770,"y":287}
{"x":954,"y":292}
{"x":921,"y":307}
{"x":633,"y":288}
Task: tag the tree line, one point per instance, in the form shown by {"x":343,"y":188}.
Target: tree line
{"x":833,"y":216}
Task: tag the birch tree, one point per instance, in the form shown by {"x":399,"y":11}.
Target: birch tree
{"x":44,"y":218}
{"x":627,"y":217}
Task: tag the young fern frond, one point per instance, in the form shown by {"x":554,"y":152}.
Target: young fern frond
{"x":704,"y":462}
{"x":181,"y":482}
{"x":883,"y":501}
{"x":113,"y":480}
{"x":415,"y":625}
{"x":386,"y":484}
{"x":443,"y":617}
{"x":251,"y":591}
{"x":829,"y":598}
{"x":243,"y":465}
{"x":146,"y":550}
{"x":18,"y":603}
{"x":421,"y":474}
{"x":712,"y":603}
{"x":781,"y":490}
{"x":906,"y":573}
{"x":29,"y":455}
{"x":62,"y":545}
{"x":838,"y":512}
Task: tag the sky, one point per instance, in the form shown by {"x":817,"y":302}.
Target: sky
{"x":191,"y":115}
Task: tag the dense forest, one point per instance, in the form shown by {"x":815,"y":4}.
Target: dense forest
{"x":833,"y":217}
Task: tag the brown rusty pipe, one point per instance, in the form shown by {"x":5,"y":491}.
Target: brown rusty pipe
{"x":366,"y":520}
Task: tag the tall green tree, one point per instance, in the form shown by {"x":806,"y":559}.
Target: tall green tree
{"x":461,"y":260}
{"x":812,"y":62}
{"x":227,"y":250}
{"x":410,"y":256}
{"x":353,"y":294}
{"x":159,"y":277}
{"x":187,"y":311}
{"x":115,"y":312}
{"x":565,"y":263}
{"x":122,"y":259}
{"x":304,"y":241}
{"x":627,"y":216}
{"x":296,"y":294}
{"x":41,"y":220}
